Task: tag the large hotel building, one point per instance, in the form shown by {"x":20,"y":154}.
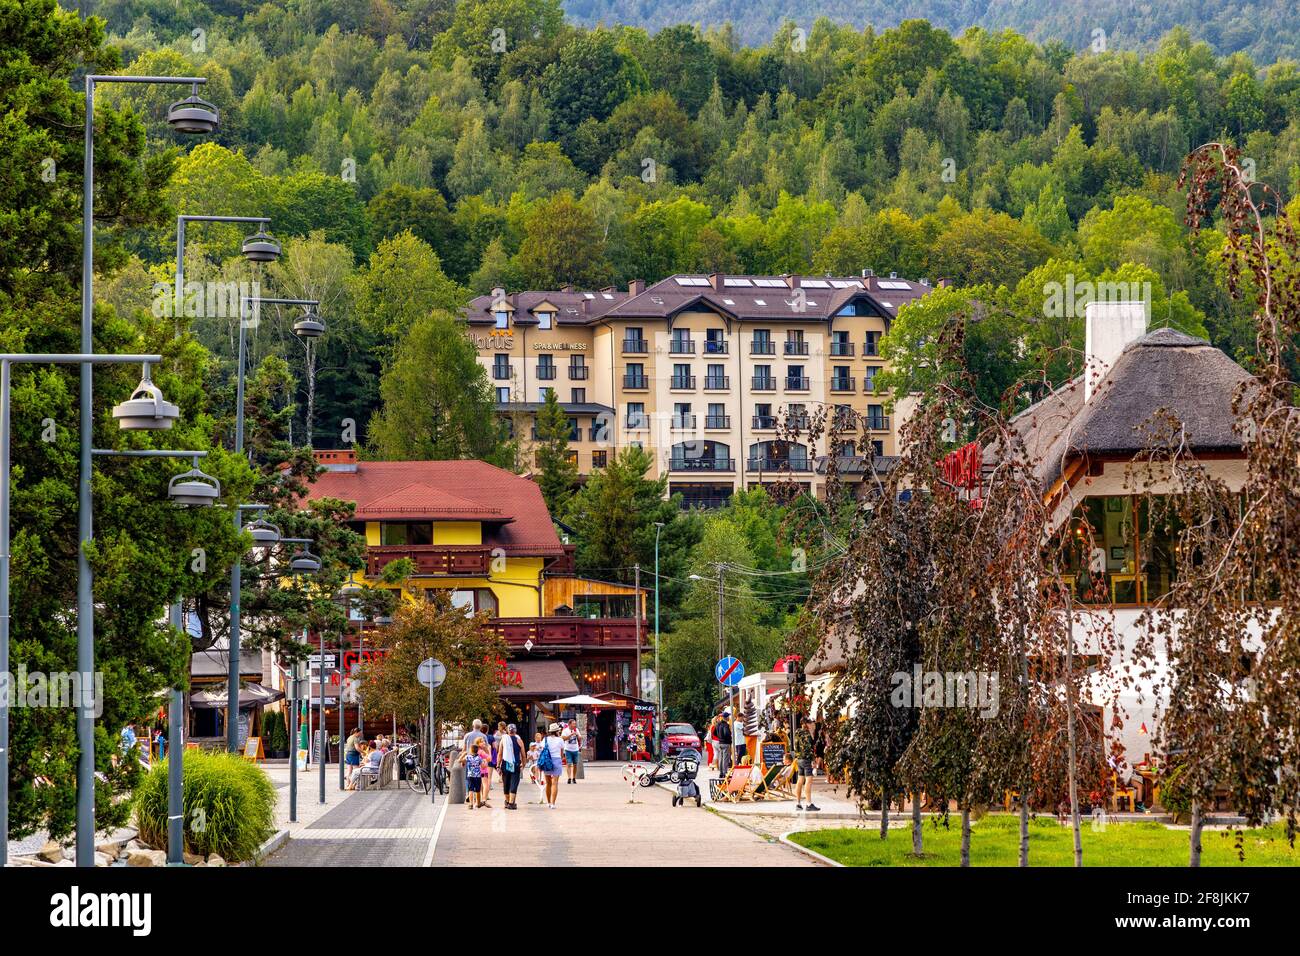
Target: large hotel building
{"x":699,"y":370}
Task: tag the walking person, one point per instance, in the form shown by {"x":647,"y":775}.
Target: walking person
{"x":572,"y":748}
{"x":535,"y":772}
{"x":511,"y":755}
{"x":551,"y":758}
{"x":803,"y":754}
{"x":474,"y":766}
{"x":711,"y":743}
{"x":352,"y":754}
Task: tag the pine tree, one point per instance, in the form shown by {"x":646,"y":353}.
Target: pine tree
{"x":557,"y":471}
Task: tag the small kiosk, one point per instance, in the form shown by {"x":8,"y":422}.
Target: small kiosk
{"x":621,"y":727}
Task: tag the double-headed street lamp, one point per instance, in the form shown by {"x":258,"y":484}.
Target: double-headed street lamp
{"x":258,"y":247}
{"x":190,"y":115}
{"x":145,"y":410}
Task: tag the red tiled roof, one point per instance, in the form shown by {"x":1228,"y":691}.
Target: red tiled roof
{"x":511,"y":508}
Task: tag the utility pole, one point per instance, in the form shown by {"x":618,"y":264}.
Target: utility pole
{"x":636,"y":610}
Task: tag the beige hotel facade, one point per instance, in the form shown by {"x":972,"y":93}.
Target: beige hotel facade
{"x":699,"y":370}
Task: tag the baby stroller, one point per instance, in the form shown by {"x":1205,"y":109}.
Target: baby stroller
{"x":685,"y":767}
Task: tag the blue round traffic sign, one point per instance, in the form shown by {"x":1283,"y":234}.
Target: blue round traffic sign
{"x":729,"y":671}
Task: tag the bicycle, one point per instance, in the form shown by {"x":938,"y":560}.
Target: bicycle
{"x":417,"y":777}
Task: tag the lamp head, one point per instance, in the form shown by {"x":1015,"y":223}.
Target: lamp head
{"x":261,"y":246}
{"x":146,"y":409}
{"x":193,"y":115}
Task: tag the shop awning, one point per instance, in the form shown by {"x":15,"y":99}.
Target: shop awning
{"x":250,"y":695}
{"x":540,"y":680}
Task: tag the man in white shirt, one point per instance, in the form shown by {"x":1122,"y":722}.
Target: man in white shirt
{"x":572,"y":748}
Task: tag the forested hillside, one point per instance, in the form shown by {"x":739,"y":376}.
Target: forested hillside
{"x":1266,"y":29}
{"x":411,"y":156}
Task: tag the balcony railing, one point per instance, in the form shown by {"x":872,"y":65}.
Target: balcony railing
{"x":764,"y":421}
{"x":841,"y":348}
{"x":431,"y":559}
{"x":578,"y":373}
{"x":681,"y":346}
{"x":683,"y":421}
{"x":568,"y":632}
{"x":764,"y":383}
{"x":702,"y":464}
{"x":635,"y":347}
{"x":779,"y":464}
{"x":877,"y":423}
{"x":843,"y":384}
{"x":682,"y":381}
{"x":717,"y":421}
{"x":758,"y":347}
{"x":717,"y":382}
{"x":871,"y":347}
{"x":635,"y":381}
{"x":796,"y":347}
{"x":796,"y":383}
{"x":546,"y":372}
{"x":715,"y":346}
{"x":501,"y":372}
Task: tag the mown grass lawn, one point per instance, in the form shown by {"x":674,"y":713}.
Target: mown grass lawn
{"x":995,"y":841}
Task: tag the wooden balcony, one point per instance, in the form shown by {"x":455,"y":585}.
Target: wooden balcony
{"x":431,"y":559}
{"x":561,"y":633}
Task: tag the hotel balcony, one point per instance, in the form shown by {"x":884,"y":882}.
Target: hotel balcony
{"x":717,"y":421}
{"x":779,"y":464}
{"x":701,"y":464}
{"x":578,"y":373}
{"x":715,"y":347}
{"x":842,"y":348}
{"x":762,"y":348}
{"x":797,"y":383}
{"x":636,"y":347}
{"x":680,"y":422}
{"x":569,"y":633}
{"x":717,"y":383}
{"x":842,"y":384}
{"x":798,"y":347}
{"x":764,"y":383}
{"x":431,"y":559}
{"x":764,"y":422}
{"x":681,"y":347}
{"x":636,"y":381}
{"x":682,"y":382}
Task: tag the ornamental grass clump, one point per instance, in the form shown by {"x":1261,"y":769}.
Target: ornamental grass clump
{"x":229,"y":806}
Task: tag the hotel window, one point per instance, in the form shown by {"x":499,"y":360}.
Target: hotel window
{"x":545,"y":320}
{"x":634,"y":377}
{"x":543,"y":392}
{"x":763,"y":417}
{"x":546,"y":367}
{"x":469,"y":600}
{"x":717,"y":416}
{"x":500,"y":367}
{"x":503,"y":394}
{"x":501,"y":319}
{"x":682,"y":344}
{"x":878,"y":449}
{"x":405,"y":532}
{"x":682,"y":377}
{"x":869,"y":382}
{"x":876,"y":419}
{"x":577,"y":367}
{"x":872,"y":346}
{"x":599,"y":458}
{"x":840,"y":344}
{"x":634,"y":339}
{"x":762,"y":343}
{"x":636,"y":415}
{"x":715,"y":343}
{"x":795,"y":378}
{"x":682,"y":417}
{"x":716,"y":377}
{"x":797,"y":415}
{"x":794,"y":342}
{"x":846,"y":449}
{"x":579,"y":395}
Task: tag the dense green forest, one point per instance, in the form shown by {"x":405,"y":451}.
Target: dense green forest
{"x":1266,"y":29}
{"x":413,"y":153}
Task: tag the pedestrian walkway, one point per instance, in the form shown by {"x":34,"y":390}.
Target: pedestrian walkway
{"x":594,"y":824}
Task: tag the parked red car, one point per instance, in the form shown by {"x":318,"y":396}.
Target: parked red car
{"x":679,"y":737}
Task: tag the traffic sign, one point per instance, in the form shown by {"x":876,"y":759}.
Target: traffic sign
{"x":729,"y":672}
{"x":431,"y":672}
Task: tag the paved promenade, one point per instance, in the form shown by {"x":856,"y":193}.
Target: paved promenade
{"x":593,"y":825}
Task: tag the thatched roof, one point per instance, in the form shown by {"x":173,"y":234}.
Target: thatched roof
{"x":1165,"y":369}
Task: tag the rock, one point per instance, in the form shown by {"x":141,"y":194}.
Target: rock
{"x":102,"y":859}
{"x":215,"y":860}
{"x":145,"y":858}
{"x":133,"y":845}
{"x":191,"y":859}
{"x":110,"y":849}
{"x":52,"y":852}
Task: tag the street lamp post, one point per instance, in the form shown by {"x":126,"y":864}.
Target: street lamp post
{"x":659,"y":681}
{"x":259,"y":247}
{"x":134,"y":416}
{"x":190,"y":115}
{"x":232,"y":676}
{"x":304,"y":562}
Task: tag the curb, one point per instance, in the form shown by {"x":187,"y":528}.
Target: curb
{"x":825,"y":860}
{"x":277,"y":840}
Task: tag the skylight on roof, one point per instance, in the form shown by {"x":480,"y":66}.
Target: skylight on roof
{"x":886,"y":284}
{"x":738,"y":283}
{"x":759,"y":302}
{"x":606,"y":295}
{"x":846,"y":283}
{"x":810,"y":302}
{"x":692,"y":280}
{"x":589,"y":295}
{"x":769,"y":283}
{"x":816,"y":284}
{"x":887,"y":305}
{"x":729,"y":301}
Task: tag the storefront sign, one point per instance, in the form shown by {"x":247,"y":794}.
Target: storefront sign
{"x":560,"y":346}
{"x":496,"y":340}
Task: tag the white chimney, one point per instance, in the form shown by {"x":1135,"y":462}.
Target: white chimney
{"x":1110,"y":327}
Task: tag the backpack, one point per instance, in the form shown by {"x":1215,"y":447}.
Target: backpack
{"x":545,"y":762}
